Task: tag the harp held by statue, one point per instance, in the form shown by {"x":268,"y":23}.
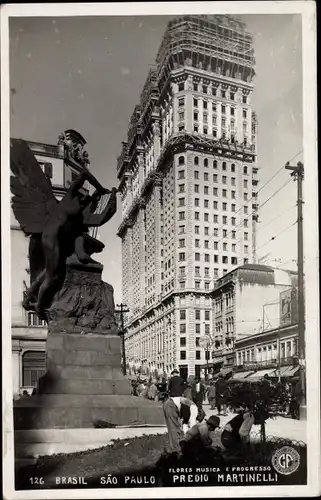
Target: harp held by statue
{"x":102,"y":204}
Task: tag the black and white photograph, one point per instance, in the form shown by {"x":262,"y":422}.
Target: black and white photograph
{"x":160,"y":250}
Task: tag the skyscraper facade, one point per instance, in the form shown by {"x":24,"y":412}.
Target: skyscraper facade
{"x":188,"y":179}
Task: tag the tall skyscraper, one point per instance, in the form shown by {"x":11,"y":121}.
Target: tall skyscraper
{"x":188,"y":178}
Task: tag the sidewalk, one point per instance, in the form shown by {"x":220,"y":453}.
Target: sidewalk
{"x":281,"y":427}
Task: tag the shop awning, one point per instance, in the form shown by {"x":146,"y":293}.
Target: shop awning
{"x":242,"y":375}
{"x":260,"y":374}
{"x":286,"y":371}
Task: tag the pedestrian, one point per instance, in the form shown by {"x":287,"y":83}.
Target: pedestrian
{"x":173,"y":424}
{"x":197,"y":440}
{"x":188,"y":392}
{"x":221,"y":390}
{"x":188,"y":413}
{"x":236,"y":432}
{"x":152,"y":392}
{"x":176,"y":387}
{"x":211,"y":395}
{"x":198,"y":391}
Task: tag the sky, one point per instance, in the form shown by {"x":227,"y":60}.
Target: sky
{"x":87,"y":73}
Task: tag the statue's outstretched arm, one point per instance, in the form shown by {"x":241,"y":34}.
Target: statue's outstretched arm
{"x":84,"y":176}
{"x":97,"y":220}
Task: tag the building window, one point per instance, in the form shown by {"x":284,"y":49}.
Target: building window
{"x":182,"y":342}
{"x":215,"y":164}
{"x":182,"y":271}
{"x":207,"y":315}
{"x":244,"y":99}
{"x":232,"y":167}
{"x":234,"y":261}
{"x":205,"y":117}
{"x":181,"y":256}
{"x":223,"y":109}
{"x":224,"y":233}
{"x":206,"y":203}
{"x":181,"y":127}
{"x":195,"y":102}
{"x":224,"y":259}
{"x":233,"y":220}
{"x":197,"y":271}
{"x":197,"y":202}
{"x":205,"y":130}
{"x":181,"y":188}
{"x":205,"y":162}
{"x":215,"y":246}
{"x":196,"y":174}
{"x":215,"y":205}
{"x":181,"y":174}
{"x":182,"y":328}
{"x":245,"y":209}
{"x":233,"y":180}
{"x":216,"y":259}
{"x":206,"y":243}
{"x":195,"y":116}
{"x":197,"y":229}
{"x":233,"y":247}
{"x":246,"y":249}
{"x":181,"y":202}
{"x":207,"y":271}
{"x":233,"y":195}
{"x":197,"y":216}
{"x":181,"y":116}
{"x":206,"y":257}
{"x":197,"y":314}
{"x":181,"y":229}
{"x":206,"y":190}
{"x":183,"y":354}
{"x":215,"y":191}
{"x":232,"y":109}
{"x":197,"y":256}
{"x":182,"y":314}
{"x":181,"y":101}
{"x":181,"y":215}
{"x":215,"y":232}
{"x":33,"y":367}
{"x":196,"y":188}
{"x":245,"y":184}
{"x":245,"y":223}
{"x":245,"y":197}
{"x":47,"y":169}
{"x":197,"y":285}
{"x":224,"y":193}
{"x":196,"y":160}
{"x":245,"y":170}
{"x":244,"y":114}
{"x":181,"y":86}
{"x":205,"y":176}
{"x":198,"y":355}
{"x":224,"y":206}
{"x":195,"y":128}
{"x":215,"y":218}
{"x":246,"y":236}
{"x":225,"y":247}
{"x":181,"y":243}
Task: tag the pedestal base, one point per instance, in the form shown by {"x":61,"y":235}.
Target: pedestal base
{"x":84,"y":384}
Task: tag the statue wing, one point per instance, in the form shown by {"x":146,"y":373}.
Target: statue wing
{"x":33,"y":200}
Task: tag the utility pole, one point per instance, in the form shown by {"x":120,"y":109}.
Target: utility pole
{"x":122,"y":308}
{"x":298,"y":175}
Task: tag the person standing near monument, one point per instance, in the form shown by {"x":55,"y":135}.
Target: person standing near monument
{"x":221,"y":394}
{"x":176,"y":387}
{"x":211,"y":394}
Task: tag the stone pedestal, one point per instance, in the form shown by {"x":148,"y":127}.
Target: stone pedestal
{"x":84,"y":381}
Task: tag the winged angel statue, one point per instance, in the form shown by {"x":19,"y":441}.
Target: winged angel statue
{"x":56,"y":228}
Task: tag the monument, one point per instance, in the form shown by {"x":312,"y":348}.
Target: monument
{"x":84,"y":383}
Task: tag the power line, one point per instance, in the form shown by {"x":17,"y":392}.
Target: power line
{"x":274,"y":237}
{"x":275,"y":218}
{"x":259,"y":190}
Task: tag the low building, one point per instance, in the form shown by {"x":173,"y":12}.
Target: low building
{"x":272,"y":352}
{"x":245,"y":302}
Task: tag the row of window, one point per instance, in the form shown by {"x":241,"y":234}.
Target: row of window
{"x":197,"y":326}
{"x":181,"y":161}
{"x":213,"y":90}
{"x":181,"y":216}
{"x":225,"y":233}
{"x":182,"y":244}
{"x":181,"y":175}
{"x":224,"y":258}
{"x":197,"y":312}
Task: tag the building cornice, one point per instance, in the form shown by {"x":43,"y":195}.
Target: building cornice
{"x":265,"y":335}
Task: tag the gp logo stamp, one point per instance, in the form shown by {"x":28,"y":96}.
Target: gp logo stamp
{"x":286,"y":460}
